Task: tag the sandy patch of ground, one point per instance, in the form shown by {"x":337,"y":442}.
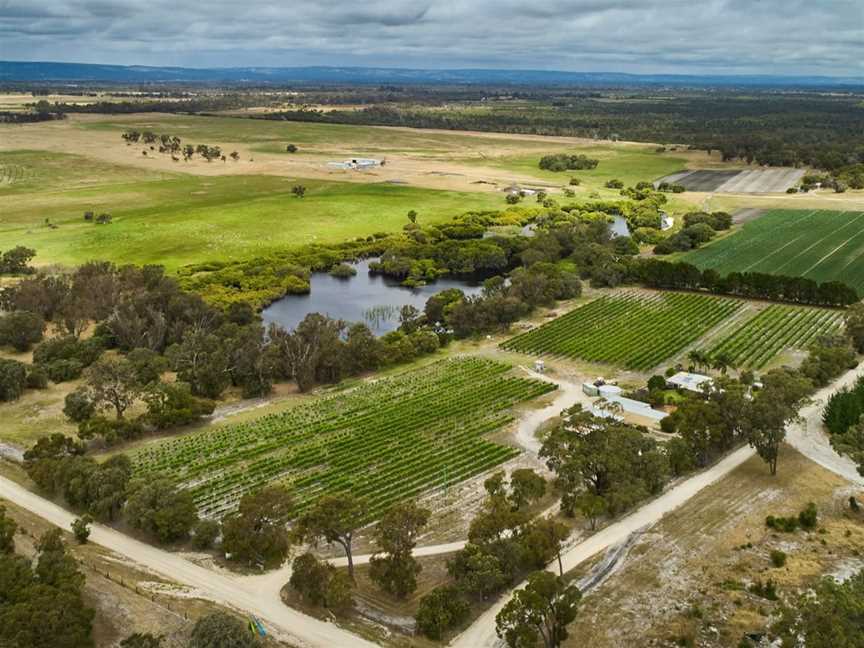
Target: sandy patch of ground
{"x":417,"y":170}
{"x":686,"y":578}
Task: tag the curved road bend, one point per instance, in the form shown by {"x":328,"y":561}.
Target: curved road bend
{"x":235,"y":592}
{"x":807,"y":437}
{"x":260,"y":594}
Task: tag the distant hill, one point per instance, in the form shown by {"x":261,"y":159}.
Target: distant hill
{"x":21,"y":71}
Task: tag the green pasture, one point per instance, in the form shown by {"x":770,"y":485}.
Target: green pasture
{"x":272,"y":136}
{"x":630,"y":164}
{"x":183,"y":219}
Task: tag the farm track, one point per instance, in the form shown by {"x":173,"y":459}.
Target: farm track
{"x":807,"y":437}
{"x":260,"y":594}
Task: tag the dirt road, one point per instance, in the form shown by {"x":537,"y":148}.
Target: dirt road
{"x":807,"y":437}
{"x":810,"y":439}
{"x":567,"y":396}
{"x":260,"y":594}
{"x":235,"y":592}
{"x":482,"y":633}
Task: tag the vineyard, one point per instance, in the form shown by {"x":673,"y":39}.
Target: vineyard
{"x":386,"y":441}
{"x":774,"y":329}
{"x":635,"y":329}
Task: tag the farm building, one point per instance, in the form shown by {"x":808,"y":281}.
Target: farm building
{"x":690,"y":381}
{"x":520,"y":191}
{"x":355,"y":163}
{"x":638,"y":408}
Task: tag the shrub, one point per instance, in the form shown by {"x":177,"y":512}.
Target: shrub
{"x":808,"y":517}
{"x":778,"y":558}
{"x":13,"y":379}
{"x":205,"y":534}
{"x":62,"y":370}
{"x":37,"y":378}
{"x":766,"y":590}
{"x":78,"y":406}
{"x":110,"y":430}
{"x":614,"y":184}
{"x":21,"y":329}
{"x":221,"y":630}
{"x":782,"y":524}
{"x":441,"y":610}
{"x":84,"y":352}
{"x":81,"y":528}
{"x":343,"y":271}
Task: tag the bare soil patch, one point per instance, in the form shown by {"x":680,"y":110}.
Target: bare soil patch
{"x":686,"y":579}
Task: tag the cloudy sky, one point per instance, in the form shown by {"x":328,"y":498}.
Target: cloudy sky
{"x":673,"y":36}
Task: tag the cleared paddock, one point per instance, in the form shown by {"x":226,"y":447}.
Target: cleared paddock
{"x":756,"y":181}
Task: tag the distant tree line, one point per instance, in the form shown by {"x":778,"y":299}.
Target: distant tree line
{"x":11,"y":117}
{"x":763,"y":127}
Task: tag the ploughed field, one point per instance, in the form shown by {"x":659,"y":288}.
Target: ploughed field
{"x":387,"y":441}
{"x":737,"y":181}
{"x":775,"y":329}
{"x":635,"y":329}
{"x":816,"y":244}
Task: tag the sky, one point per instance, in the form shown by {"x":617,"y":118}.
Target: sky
{"x":786,"y":37}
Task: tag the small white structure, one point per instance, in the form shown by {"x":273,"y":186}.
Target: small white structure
{"x":666,"y":221}
{"x":590,"y":389}
{"x":355,"y":163}
{"x":520,"y":191}
{"x":690,"y":381}
{"x":539,"y":366}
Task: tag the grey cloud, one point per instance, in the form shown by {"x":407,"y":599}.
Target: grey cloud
{"x":722,"y":36}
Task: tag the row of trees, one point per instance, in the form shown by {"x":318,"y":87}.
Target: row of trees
{"x":755,"y":285}
{"x":173,"y":145}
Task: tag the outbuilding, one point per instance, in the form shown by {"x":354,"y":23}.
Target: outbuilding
{"x":690,"y":381}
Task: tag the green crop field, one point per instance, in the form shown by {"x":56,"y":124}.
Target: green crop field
{"x":634,"y":329}
{"x":776,"y":329}
{"x":176,"y":219}
{"x":817,"y":244}
{"x":389,"y":440}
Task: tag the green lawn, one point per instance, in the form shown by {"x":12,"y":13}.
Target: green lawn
{"x":185,"y":219}
{"x":820,"y":245}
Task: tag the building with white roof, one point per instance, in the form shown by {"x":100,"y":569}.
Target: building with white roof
{"x":691,"y":381}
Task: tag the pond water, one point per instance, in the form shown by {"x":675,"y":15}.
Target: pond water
{"x":619,"y":226}
{"x":371,"y":299}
